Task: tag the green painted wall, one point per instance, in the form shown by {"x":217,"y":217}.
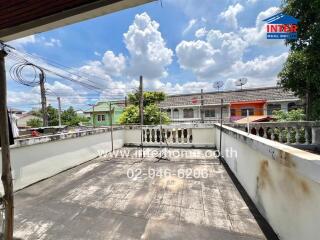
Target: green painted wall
{"x":115,"y":118}
{"x":102,"y":108}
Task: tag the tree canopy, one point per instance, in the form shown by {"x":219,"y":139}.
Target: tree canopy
{"x":148,"y":98}
{"x":152,"y":111}
{"x":69,"y":117}
{"x":34,"y":123}
{"x":301,"y":70}
{"x":293,"y":115}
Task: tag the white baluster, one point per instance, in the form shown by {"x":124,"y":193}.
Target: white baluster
{"x":288,"y":135}
{"x":272,"y":134}
{"x":297,"y":134}
{"x":187,"y":137}
{"x":306,"y":135}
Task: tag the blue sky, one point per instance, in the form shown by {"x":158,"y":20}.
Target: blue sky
{"x":181,"y":47}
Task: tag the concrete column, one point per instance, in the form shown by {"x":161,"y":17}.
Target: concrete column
{"x":284,"y":107}
{"x":316,"y":135}
{"x":180,"y":113}
{"x":265,"y":112}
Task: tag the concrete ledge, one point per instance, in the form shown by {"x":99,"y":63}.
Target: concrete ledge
{"x":282,"y":181}
{"x":304,"y":162}
{"x":38,"y":159}
{"x":62,"y":136}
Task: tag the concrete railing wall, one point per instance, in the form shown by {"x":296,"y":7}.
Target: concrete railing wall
{"x":283,"y":182}
{"x":291,"y":133}
{"x":35,"y":159}
{"x":182,"y":135}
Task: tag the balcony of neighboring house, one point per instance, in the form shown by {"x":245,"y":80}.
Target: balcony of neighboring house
{"x":192,"y":114}
{"x":261,"y":189}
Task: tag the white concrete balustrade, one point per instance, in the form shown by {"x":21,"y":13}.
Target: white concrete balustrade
{"x":182,"y":135}
{"x":300,"y":132}
{"x":282,"y":181}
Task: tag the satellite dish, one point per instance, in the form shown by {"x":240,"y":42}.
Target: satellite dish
{"x":241,"y":81}
{"x":218,"y":85}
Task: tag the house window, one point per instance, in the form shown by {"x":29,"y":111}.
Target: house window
{"x":188,"y":113}
{"x":244,"y":112}
{"x":273,"y":107}
{"x":233,"y":112}
{"x":209,"y":113}
{"x":175,"y":113}
{"x":101,"y":117}
{"x":292,"y":106}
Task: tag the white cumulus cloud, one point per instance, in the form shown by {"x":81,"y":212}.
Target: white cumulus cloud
{"x":149,"y":55}
{"x":114,"y":65}
{"x":201,"y":32}
{"x":230,"y":15}
{"x":196,"y":55}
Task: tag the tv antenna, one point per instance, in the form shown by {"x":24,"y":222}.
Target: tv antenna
{"x":218,"y":85}
{"x":241,"y":81}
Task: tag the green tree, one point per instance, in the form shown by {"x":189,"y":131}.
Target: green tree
{"x":151,"y":110}
{"x":34,"y":123}
{"x":130,"y":115}
{"x":70,"y":117}
{"x":152,"y":115}
{"x":52,"y":113}
{"x":293,"y":115}
{"x":53,"y":116}
{"x":301,"y":70}
{"x":148,"y":98}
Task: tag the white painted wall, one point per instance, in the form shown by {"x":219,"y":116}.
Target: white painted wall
{"x":35,"y":162}
{"x":22,"y":121}
{"x":203,"y":136}
{"x":283,"y":182}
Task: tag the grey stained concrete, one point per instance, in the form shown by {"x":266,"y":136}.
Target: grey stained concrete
{"x":97,"y":200}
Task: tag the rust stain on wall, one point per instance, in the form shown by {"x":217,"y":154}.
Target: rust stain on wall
{"x":305,"y":187}
{"x":294,"y":184}
{"x":285,"y":159}
{"x":264,"y":177}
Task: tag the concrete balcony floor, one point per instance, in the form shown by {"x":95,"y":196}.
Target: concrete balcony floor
{"x":97,"y":200}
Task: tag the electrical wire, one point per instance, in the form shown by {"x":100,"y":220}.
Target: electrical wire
{"x":16,"y":73}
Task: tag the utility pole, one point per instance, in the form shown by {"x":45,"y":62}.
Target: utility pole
{"x":93,"y":123}
{"x":201,"y":107}
{"x":59,"y":110}
{"x":5,"y":152}
{"x":111,"y":126}
{"x":141,"y":111}
{"x":126,"y":101}
{"x":221,"y":120}
{"x":248,"y":123}
{"x":43,"y":100}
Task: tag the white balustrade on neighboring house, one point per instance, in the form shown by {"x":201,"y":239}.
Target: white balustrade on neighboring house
{"x":298,"y":133}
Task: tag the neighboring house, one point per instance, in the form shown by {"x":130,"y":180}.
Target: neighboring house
{"x":237,"y":104}
{"x":24,"y":118}
{"x":16,"y":112}
{"x":100,"y":114}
